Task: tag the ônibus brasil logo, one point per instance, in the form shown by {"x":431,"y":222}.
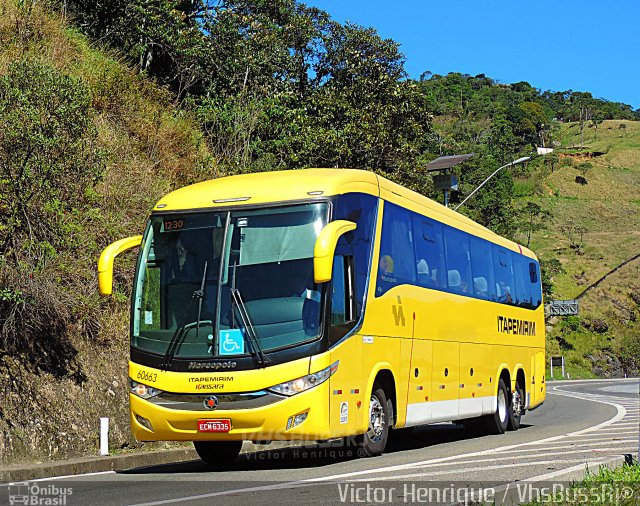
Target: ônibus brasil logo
{"x":36,"y":494}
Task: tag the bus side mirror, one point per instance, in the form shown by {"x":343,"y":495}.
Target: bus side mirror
{"x":105,"y":264}
{"x":325,"y":248}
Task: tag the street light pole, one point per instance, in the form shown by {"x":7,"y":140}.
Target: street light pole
{"x":515,"y":162}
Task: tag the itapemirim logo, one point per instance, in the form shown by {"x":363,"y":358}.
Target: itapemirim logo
{"x":34,"y":494}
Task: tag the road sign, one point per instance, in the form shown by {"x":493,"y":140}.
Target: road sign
{"x":562,"y":308}
{"x":557,"y":362}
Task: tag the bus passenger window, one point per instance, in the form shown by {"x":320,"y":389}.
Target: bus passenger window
{"x":536,"y":287}
{"x":521,"y":272}
{"x":482,"y":269}
{"x":396,"y":264}
{"x":458,"y":261}
{"x":503,"y":272}
{"x":429,"y":252}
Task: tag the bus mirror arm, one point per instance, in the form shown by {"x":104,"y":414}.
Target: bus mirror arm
{"x":325,"y":247}
{"x":105,"y":264}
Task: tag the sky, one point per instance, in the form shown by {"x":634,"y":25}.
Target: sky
{"x":557,"y":45}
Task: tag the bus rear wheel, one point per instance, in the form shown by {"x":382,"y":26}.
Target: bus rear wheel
{"x":517,"y":408}
{"x":219,"y":454}
{"x":497,"y":422}
{"x":373,"y":442}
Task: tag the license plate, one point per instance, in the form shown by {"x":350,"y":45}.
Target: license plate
{"x":215,"y":425}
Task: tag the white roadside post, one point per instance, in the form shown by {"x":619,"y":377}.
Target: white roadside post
{"x":104,"y":436}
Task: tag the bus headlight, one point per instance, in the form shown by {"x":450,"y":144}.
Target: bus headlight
{"x":142,"y":390}
{"x":306,"y":382}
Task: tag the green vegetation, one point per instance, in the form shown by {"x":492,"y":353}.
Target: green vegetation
{"x":88,"y":145}
{"x":620,"y":487}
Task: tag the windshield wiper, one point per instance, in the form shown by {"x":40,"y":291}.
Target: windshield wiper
{"x":176,"y":339}
{"x":200,"y":295}
{"x":256,"y":349}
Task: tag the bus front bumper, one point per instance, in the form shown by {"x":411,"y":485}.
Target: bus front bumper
{"x":151,"y":422}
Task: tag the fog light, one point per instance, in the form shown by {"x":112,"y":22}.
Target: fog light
{"x":144,"y":422}
{"x":296,"y":420}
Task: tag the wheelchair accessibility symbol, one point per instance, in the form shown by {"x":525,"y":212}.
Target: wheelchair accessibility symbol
{"x":231,"y":342}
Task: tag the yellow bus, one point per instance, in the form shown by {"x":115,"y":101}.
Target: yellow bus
{"x":324,"y":303}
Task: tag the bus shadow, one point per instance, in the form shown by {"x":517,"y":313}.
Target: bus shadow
{"x":297,"y":457}
{"x":432,"y":435}
{"x":319,"y":454}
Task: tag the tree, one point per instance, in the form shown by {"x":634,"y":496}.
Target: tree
{"x":533,"y":123}
{"x":533,"y":218}
{"x":548,"y":270}
{"x":164,"y":38}
{"x":575,"y":233}
{"x":502,"y":140}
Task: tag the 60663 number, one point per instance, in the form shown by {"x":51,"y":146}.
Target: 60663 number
{"x":147,"y":376}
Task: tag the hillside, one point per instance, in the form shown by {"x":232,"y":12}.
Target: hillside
{"x":67,"y":107}
{"x":594,"y":227}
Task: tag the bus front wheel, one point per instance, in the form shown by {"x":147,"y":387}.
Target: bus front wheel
{"x":497,"y":423}
{"x":219,"y":454}
{"x":374,"y":441}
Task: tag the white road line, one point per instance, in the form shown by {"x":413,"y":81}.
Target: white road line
{"x":66,"y":476}
{"x":603,"y":380}
{"x":625,"y":425}
{"x":611,"y":436}
{"x":470,"y":469}
{"x":572,"y":447}
{"x":598,"y":441}
{"x":565,"y":447}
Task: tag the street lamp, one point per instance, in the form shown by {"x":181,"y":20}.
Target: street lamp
{"x":515,"y":162}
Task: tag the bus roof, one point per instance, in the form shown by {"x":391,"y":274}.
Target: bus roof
{"x":302,"y":184}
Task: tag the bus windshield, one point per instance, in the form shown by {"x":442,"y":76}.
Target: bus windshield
{"x":222,"y":284}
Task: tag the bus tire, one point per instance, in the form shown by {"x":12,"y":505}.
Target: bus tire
{"x":497,"y":422}
{"x":517,"y":408}
{"x":219,"y":454}
{"x":373,"y":442}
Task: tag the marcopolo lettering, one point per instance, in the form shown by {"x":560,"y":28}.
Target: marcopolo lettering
{"x":212,"y":365}
{"x":515,"y":326}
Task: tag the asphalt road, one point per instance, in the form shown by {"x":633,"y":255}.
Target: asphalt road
{"x":580,"y":422}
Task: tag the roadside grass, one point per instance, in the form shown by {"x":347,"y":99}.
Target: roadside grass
{"x":619,"y":487}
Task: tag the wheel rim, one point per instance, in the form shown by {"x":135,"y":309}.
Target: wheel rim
{"x":376,"y":419}
{"x":502,"y":405}
{"x":517,"y":404}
